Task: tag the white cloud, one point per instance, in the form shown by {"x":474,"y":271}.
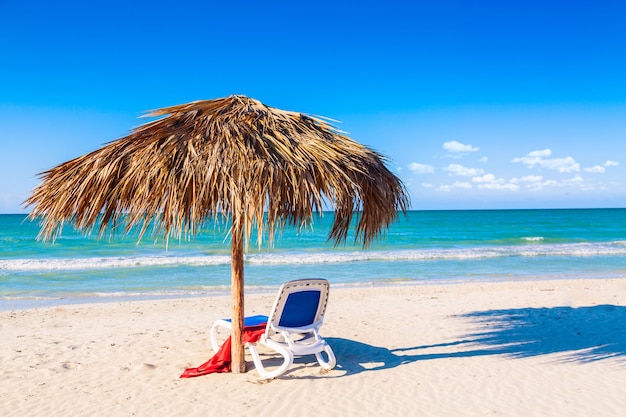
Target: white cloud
{"x":596,"y":169}
{"x":611,"y":164}
{"x":531,"y":182}
{"x":540,"y":154}
{"x":533,"y":158}
{"x":485,"y":178}
{"x":536,"y":183}
{"x":499,"y":186}
{"x":531,"y":178}
{"x":421,"y":168}
{"x":565,"y":165}
{"x":465,"y":185}
{"x":483,"y":159}
{"x":458,"y":147}
{"x":460,"y":170}
{"x":457,"y":184}
{"x":539,"y":158}
{"x":490,"y":182}
{"x":578,"y":182}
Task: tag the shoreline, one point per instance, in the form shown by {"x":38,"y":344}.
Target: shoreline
{"x":554,"y":347}
{"x":34,"y":302}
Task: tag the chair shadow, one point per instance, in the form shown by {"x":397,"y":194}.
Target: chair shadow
{"x":583,"y":335}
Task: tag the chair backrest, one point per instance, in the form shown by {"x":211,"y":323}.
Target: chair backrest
{"x":299,"y":304}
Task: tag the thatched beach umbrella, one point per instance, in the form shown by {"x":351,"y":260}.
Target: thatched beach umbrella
{"x":232,"y":158}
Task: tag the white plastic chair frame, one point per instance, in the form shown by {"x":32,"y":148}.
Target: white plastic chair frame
{"x":292,"y":326}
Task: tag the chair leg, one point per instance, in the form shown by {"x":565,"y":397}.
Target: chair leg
{"x":287,"y":362}
{"x":331,"y":362}
{"x":214,"y":344}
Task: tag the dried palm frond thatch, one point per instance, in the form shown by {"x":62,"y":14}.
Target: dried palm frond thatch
{"x":232,"y":158}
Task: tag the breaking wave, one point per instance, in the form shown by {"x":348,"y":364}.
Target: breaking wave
{"x":321,"y":257}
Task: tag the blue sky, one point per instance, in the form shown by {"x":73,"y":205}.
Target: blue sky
{"x":477,"y":104}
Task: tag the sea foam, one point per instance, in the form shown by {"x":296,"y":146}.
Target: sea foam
{"x":321,"y":257}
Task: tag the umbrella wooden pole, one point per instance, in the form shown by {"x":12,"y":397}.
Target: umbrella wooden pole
{"x":238,"y":363}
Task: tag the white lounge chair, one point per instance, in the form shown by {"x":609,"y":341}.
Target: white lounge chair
{"x":292,"y":326}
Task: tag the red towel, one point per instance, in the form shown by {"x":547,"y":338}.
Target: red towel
{"x":221,"y":361}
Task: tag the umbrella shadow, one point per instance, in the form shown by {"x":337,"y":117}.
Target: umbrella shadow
{"x":583,"y":335}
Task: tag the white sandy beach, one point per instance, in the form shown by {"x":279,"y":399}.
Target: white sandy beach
{"x":534,"y":348}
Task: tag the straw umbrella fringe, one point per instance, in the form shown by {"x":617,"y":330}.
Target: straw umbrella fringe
{"x":231,"y":158}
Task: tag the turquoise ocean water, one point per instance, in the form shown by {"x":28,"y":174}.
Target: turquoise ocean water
{"x":423,"y":247}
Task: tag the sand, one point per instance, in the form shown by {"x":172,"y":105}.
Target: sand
{"x":533,"y":348}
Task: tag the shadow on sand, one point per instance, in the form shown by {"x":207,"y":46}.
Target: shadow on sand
{"x":584,"y":334}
